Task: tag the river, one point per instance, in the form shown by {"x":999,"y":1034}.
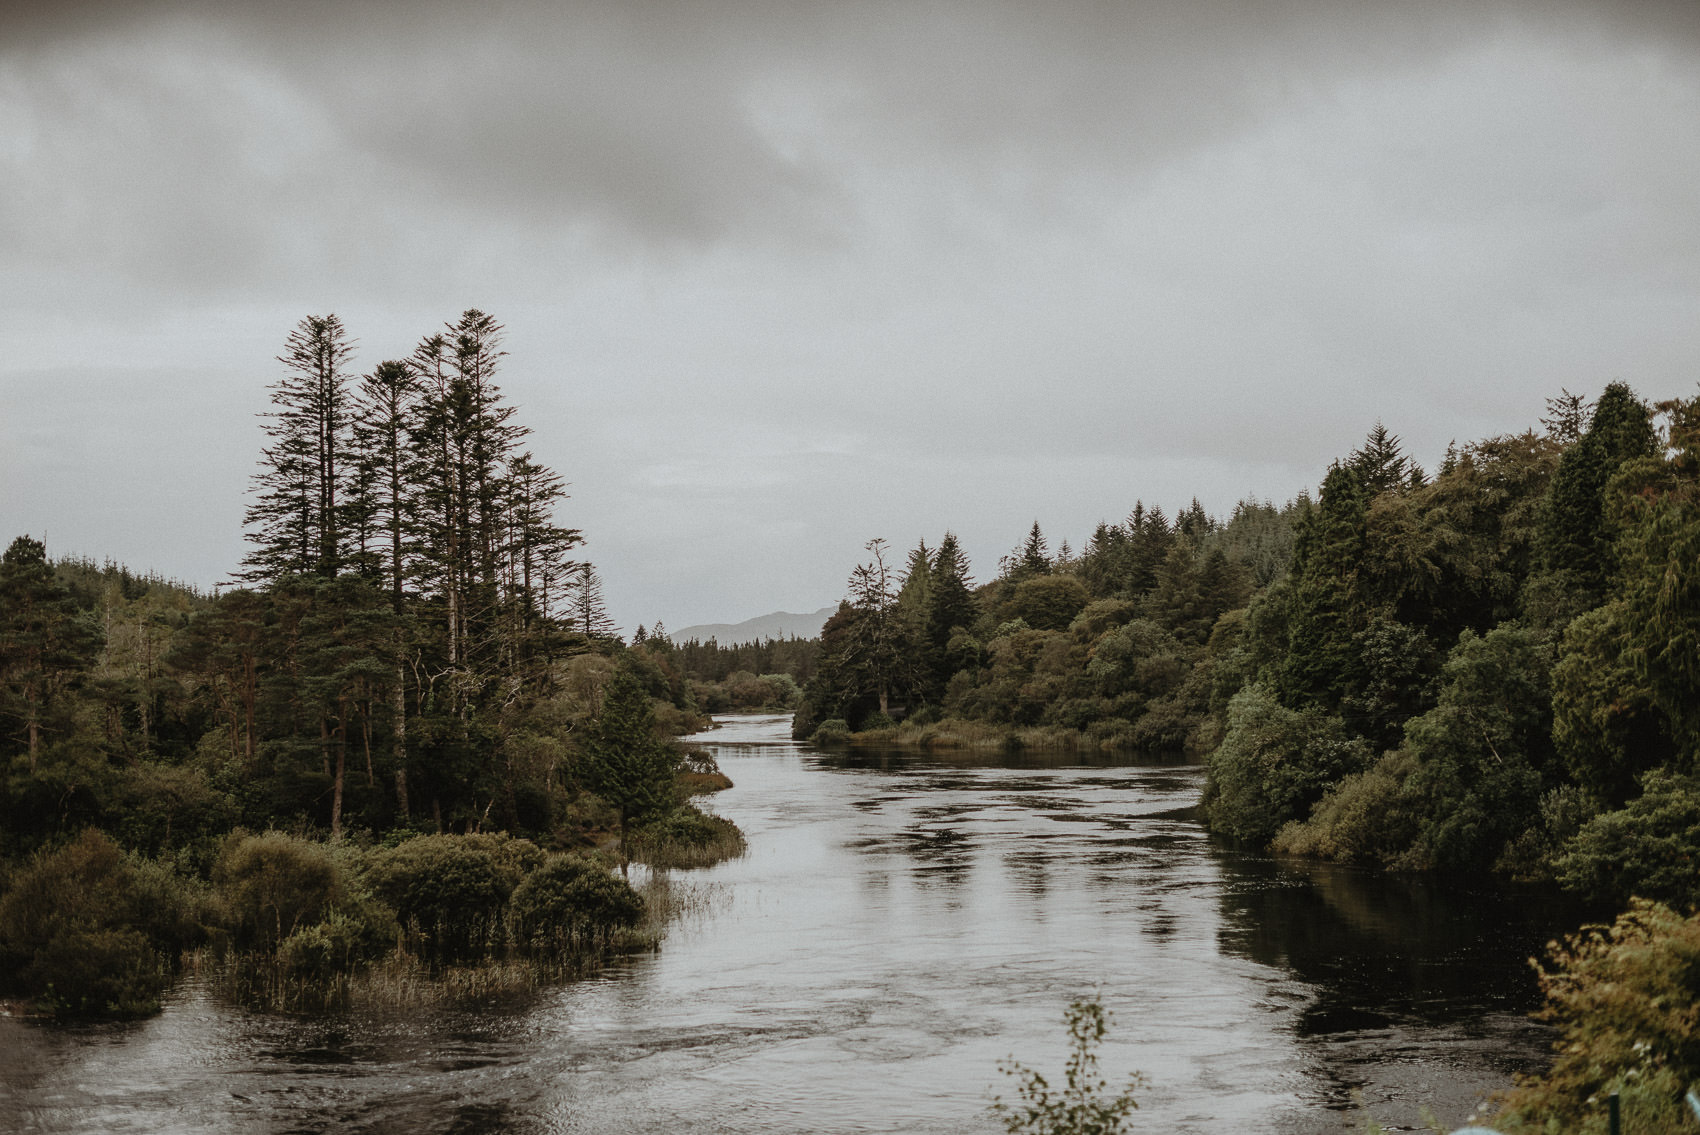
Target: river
{"x":901,"y":924}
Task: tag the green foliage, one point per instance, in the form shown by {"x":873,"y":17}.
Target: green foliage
{"x":1466,"y":783}
{"x":1660,"y":559}
{"x":568,"y":905}
{"x":326,"y":950}
{"x":449,"y":892}
{"x":1139,"y":657}
{"x":272,"y":884}
{"x":1046,"y":602}
{"x":1328,"y":607}
{"x":87,"y":931}
{"x":46,"y":646}
{"x":1649,"y":848}
{"x":1083,"y":1105}
{"x":621,"y":759}
{"x":1577,"y":532}
{"x":833,"y":731}
{"x":1273,"y":764}
{"x":1626,"y":1001}
{"x":1606,"y":726}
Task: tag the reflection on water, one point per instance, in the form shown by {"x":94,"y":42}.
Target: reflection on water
{"x":900,"y":925}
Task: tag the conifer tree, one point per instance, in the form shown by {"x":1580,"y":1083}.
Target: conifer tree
{"x":1576,"y":537}
{"x":950,"y":607}
{"x":623,"y":761}
{"x":878,"y":656}
{"x":1034,"y":558}
{"x":1380,"y":464}
{"x":296,"y":520}
{"x":45,"y":643}
{"x":586,"y":611}
{"x":1328,"y":608}
{"x":386,"y":408}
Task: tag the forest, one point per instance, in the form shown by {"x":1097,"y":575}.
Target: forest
{"x":410,"y":719}
{"x":1493,"y":667}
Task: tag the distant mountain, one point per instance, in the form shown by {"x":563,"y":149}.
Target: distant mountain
{"x":780,"y":624}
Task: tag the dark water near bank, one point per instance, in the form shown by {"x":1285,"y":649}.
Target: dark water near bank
{"x":900,"y":925}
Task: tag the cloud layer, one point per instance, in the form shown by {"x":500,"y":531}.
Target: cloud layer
{"x":781,"y":277}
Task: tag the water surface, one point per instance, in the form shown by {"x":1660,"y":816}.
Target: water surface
{"x":901,"y":924}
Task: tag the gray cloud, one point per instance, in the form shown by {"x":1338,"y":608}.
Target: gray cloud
{"x":783,"y":276}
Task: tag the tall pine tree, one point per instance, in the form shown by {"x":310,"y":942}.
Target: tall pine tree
{"x":296,"y":522}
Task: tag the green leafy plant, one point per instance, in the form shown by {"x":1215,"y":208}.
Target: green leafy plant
{"x":1084,"y":1105}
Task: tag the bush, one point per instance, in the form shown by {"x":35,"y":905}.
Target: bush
{"x":1625,"y":1000}
{"x":450,"y":891}
{"x":325,"y":950}
{"x":88,"y":931}
{"x":271,"y":885}
{"x":569,"y":905}
{"x":832,"y":731}
{"x":1650,"y":848}
{"x":1273,"y":765}
{"x":1360,"y":821}
{"x":688,"y":837}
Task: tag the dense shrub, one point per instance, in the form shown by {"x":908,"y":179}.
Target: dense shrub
{"x":833,"y":731}
{"x":86,"y":930}
{"x":687,"y":837}
{"x":325,"y":950}
{"x":1650,"y":848}
{"x":450,"y":891}
{"x":1273,"y":764}
{"x":271,"y":885}
{"x":568,"y":906}
{"x":1626,"y":1000}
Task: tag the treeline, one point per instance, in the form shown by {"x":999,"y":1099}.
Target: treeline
{"x":1495,"y":666}
{"x":746,"y":677}
{"x":1117,"y":646}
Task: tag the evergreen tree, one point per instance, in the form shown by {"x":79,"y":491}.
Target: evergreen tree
{"x":386,"y":407}
{"x":1149,"y":540}
{"x":1328,"y":609}
{"x":950,"y":609}
{"x":1032,"y":557}
{"x":878,"y":653}
{"x":1576,"y":535}
{"x":1380,"y":465}
{"x":386,"y":502}
{"x":536,"y":547}
{"x":46,"y":645}
{"x":623,"y":761}
{"x":586,"y":611}
{"x":1566,"y":417}
{"x":296,"y":520}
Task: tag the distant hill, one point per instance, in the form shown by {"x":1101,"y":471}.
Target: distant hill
{"x":780,"y":624}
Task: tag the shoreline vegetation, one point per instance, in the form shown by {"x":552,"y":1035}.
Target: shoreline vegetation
{"x":407,"y":754}
{"x":406,"y":746}
{"x":1490,"y":667}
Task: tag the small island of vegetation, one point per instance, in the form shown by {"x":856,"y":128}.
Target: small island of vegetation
{"x":409,"y":755}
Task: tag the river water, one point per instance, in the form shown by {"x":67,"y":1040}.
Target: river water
{"x":901,"y":924}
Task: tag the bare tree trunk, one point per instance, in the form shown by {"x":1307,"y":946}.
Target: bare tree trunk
{"x":400,"y":732}
{"x":336,"y":784}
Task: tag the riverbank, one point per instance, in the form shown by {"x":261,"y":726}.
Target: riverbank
{"x":975,"y":736}
{"x":901,"y":923}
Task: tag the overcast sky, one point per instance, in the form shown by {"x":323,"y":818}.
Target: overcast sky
{"x":781,"y":277}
